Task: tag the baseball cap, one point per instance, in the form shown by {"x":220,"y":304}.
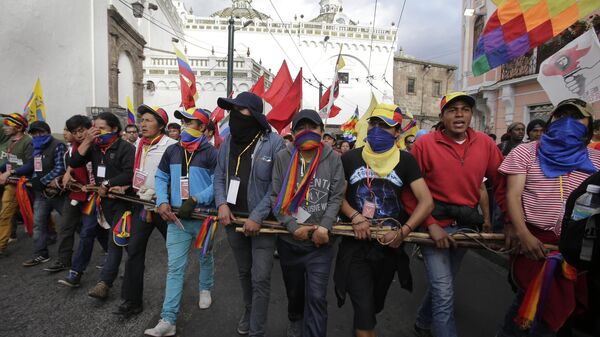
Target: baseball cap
{"x":158,"y":112}
{"x":391,"y":114}
{"x":453,"y":96}
{"x":193,"y":113}
{"x":39,"y":126}
{"x":580,"y":105}
{"x":248,"y":100}
{"x":307,"y":114}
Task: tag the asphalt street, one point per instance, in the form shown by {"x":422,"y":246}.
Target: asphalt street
{"x":32,"y":303}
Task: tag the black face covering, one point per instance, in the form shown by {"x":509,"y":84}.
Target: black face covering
{"x":243,"y":128}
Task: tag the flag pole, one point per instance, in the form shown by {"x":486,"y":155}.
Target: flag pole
{"x":332,"y":90}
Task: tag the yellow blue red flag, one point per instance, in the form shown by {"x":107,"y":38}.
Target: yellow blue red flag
{"x":35,"y":109}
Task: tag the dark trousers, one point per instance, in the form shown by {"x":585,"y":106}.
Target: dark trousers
{"x":90,"y":230}
{"x":306,"y":274}
{"x":133,"y":281}
{"x":42,"y":207}
{"x":254,"y":259}
{"x":71,"y":222}
{"x":113,"y":211}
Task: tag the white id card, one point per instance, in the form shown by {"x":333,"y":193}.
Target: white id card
{"x":301,"y":215}
{"x":37,"y":163}
{"x":234,"y":187}
{"x":184,"y":187}
{"x":101,"y":171}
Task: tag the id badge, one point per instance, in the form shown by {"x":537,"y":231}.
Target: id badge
{"x":184,"y":187}
{"x":8,"y":167}
{"x":234,"y":188}
{"x":368,"y":210}
{"x":301,"y":215}
{"x":101,"y":171}
{"x":139,"y":178}
{"x":37,"y":163}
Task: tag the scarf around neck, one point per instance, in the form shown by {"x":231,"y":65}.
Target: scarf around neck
{"x":192,"y":139}
{"x":291,"y":197}
{"x":381,"y":163}
{"x":39,"y":143}
{"x":105,"y":140}
{"x":140,"y":149}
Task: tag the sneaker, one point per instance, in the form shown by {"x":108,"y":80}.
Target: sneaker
{"x":11,"y":239}
{"x":35,"y":261}
{"x":294,"y":328}
{"x":128,"y":309}
{"x":421,"y":332}
{"x":56,"y":267}
{"x":72,"y":280}
{"x":163,"y":328}
{"x":99,"y":291}
{"x":243,"y":327}
{"x":205,"y":299}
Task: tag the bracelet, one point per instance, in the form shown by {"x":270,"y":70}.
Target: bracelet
{"x":354,"y":215}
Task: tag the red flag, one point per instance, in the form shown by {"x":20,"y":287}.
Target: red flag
{"x":218,"y":113}
{"x":187,"y":97}
{"x":286,"y":130}
{"x":335,"y":110}
{"x":280,"y":86}
{"x":217,"y":136}
{"x":282,"y":113}
{"x":259,"y":87}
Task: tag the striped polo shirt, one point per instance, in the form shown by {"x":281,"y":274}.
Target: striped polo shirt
{"x":543,"y":205}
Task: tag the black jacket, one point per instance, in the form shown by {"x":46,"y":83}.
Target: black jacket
{"x":118,"y":160}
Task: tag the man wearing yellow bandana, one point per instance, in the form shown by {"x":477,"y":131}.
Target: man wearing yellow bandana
{"x":377,"y":174}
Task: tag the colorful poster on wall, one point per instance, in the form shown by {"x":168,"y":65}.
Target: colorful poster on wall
{"x":574,"y":71}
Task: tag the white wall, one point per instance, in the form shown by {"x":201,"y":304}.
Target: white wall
{"x":62,"y":42}
{"x":125,"y":79}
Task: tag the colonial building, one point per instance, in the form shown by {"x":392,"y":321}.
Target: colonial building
{"x":511,"y":92}
{"x":313,"y":44}
{"x":419,"y":85}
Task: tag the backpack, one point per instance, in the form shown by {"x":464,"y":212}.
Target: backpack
{"x":581,"y":234}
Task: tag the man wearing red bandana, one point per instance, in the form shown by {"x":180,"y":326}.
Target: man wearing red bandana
{"x":149,"y":151}
{"x":14,"y":160}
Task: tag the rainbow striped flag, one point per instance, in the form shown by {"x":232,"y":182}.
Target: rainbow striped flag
{"x":349,"y":127}
{"x":35,"y":109}
{"x":130,"y":112}
{"x":518,"y":26}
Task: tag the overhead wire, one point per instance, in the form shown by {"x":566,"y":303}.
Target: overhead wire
{"x":372,"y":36}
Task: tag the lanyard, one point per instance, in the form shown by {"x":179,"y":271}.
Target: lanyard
{"x":369,"y":179}
{"x":188,"y":161}
{"x":237,"y":166}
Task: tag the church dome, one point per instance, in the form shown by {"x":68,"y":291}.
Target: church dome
{"x":331,"y":12}
{"x":240,"y":9}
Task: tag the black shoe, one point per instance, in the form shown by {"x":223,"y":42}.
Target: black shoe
{"x":128,"y":309}
{"x":73,"y":280}
{"x":420,"y":332}
{"x":56,"y":267}
{"x":35,"y":261}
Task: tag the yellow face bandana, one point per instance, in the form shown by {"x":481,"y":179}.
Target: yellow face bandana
{"x":381,"y":163}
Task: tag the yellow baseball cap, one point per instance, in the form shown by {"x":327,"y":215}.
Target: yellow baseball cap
{"x":453,"y":96}
{"x":391,"y":114}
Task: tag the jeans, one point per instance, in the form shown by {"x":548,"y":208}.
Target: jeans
{"x":254,"y":259}
{"x":133,"y":281}
{"x":42,"y":207}
{"x":178,"y":246}
{"x":437,"y":309}
{"x":113,"y":211}
{"x":71,"y":222}
{"x":89,"y":231}
{"x":9,"y":207}
{"x":305,"y":275}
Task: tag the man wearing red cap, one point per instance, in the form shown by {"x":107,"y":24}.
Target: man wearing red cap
{"x":454,"y":161}
{"x":184,"y":180}
{"x":14,"y":160}
{"x":149,"y":151}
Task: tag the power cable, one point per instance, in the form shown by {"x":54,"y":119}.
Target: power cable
{"x":372,"y":35}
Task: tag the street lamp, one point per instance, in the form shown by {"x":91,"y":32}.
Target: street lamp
{"x":231,"y":30}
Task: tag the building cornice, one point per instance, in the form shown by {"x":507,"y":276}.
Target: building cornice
{"x":424,"y":62}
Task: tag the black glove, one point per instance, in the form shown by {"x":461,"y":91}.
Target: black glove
{"x":36,"y":184}
{"x":186,"y":209}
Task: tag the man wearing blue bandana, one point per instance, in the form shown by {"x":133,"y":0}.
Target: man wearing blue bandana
{"x":547,"y":170}
{"x":48,"y":165}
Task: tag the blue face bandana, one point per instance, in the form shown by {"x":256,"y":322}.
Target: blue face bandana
{"x":380,"y":140}
{"x":563,"y":150}
{"x":39,"y":143}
